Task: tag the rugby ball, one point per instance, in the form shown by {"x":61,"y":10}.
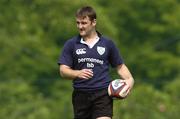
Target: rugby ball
{"x":118,"y":88}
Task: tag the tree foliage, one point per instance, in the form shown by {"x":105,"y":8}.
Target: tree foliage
{"x":33,"y":33}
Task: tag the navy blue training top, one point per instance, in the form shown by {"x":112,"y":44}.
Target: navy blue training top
{"x":98,"y":58}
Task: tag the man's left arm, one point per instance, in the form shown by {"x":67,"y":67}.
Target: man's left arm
{"x":125,"y":74}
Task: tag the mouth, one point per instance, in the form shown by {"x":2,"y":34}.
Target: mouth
{"x":81,"y":30}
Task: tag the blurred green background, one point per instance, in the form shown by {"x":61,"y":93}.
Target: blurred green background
{"x":32,"y":34}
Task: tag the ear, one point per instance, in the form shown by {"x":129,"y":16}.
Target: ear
{"x":94,"y":22}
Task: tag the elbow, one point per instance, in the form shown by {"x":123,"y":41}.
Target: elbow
{"x":132,"y":81}
{"x":61,"y":72}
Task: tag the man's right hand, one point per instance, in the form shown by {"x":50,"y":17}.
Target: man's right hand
{"x":85,"y":74}
{"x":67,"y":72}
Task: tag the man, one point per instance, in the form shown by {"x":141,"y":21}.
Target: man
{"x":85,"y":59}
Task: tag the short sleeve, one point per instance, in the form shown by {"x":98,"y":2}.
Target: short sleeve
{"x":115,"y":58}
{"x":66,"y":56}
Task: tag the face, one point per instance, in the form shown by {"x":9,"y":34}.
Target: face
{"x":85,"y":26}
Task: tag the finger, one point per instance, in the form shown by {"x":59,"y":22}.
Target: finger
{"x":89,"y":72}
{"x":87,"y":75}
{"x":84,"y":77}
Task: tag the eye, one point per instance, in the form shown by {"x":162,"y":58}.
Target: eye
{"x":83,"y":23}
{"x":77,"y":22}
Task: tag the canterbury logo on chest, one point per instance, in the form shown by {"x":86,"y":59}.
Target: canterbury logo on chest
{"x":81,"y":51}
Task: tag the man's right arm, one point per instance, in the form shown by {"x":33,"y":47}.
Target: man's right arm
{"x":68,"y":72}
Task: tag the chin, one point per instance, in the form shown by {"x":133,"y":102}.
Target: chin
{"x":82,"y":34}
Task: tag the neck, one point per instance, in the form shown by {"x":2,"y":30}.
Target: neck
{"x":90,"y":36}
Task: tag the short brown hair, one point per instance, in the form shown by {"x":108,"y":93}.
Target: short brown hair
{"x":86,"y":11}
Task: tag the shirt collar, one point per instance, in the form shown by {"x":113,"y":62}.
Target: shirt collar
{"x":92,"y":44}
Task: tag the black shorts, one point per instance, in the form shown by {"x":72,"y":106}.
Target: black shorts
{"x":92,"y":104}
